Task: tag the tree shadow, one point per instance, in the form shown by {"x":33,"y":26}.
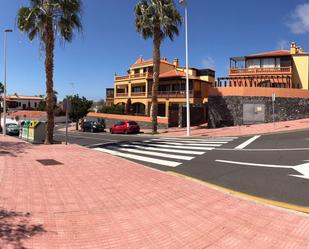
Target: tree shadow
{"x":12,"y":148}
{"x":15,"y":227}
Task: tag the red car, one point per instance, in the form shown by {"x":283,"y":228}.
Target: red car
{"x":125,"y":127}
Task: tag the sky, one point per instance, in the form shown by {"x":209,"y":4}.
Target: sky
{"x":109,"y":43}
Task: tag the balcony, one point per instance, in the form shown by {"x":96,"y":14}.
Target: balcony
{"x":121,"y":94}
{"x":133,"y":76}
{"x":260,"y":71}
{"x":177,"y":94}
{"x":138,"y":94}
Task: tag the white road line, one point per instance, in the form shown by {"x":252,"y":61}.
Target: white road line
{"x":188,"y":142}
{"x":83,"y":136}
{"x":249,"y":141}
{"x":187,"y":152}
{"x":185,"y":144}
{"x":140,"y":158}
{"x":176,"y":147}
{"x":188,"y":158}
{"x":97,"y":145}
{"x":202,"y":139}
{"x":255,"y":164}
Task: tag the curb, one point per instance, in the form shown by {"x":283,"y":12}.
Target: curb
{"x":282,"y":205}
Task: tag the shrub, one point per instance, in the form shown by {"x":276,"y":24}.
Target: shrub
{"x":114,"y":109}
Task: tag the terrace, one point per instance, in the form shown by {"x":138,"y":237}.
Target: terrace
{"x":260,"y":71}
{"x":133,"y":76}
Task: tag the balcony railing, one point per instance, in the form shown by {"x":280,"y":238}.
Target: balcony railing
{"x":133,"y":76}
{"x":121,"y":94}
{"x":261,"y":71}
{"x":177,"y":94}
{"x":138,"y":94}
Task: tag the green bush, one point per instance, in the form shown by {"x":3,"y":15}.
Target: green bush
{"x":114,"y":109}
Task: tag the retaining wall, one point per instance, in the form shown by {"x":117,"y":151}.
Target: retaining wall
{"x":225,"y":105}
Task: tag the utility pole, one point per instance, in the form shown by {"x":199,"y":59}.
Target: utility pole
{"x":4,"y":92}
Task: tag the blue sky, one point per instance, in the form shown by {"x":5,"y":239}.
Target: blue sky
{"x":109,"y":43}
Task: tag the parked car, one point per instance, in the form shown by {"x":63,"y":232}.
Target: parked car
{"x":125,"y":127}
{"x":12,"y":129}
{"x":92,"y":126}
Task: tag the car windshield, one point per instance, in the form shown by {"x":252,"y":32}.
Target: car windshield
{"x":12,"y":126}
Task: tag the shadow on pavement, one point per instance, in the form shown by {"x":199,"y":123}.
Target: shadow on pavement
{"x":12,"y":148}
{"x":15,"y":227}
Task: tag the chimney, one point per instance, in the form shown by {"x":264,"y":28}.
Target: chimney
{"x":300,"y":50}
{"x":293,"y":49}
{"x":176,"y":62}
{"x":164,"y":58}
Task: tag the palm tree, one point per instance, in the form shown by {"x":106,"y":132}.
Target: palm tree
{"x":47,"y":19}
{"x":156,"y":19}
{"x":1,"y":92}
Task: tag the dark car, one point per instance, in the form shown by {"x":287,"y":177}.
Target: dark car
{"x":12,"y":129}
{"x":125,"y":127}
{"x":92,"y":126}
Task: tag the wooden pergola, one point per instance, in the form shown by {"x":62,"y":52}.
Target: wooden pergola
{"x":275,"y":81}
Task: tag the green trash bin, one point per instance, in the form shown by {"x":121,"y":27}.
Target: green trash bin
{"x":25,"y":130}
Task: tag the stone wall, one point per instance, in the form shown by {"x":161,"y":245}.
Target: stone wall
{"x":228,"y":110}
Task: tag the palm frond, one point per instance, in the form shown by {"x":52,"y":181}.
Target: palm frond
{"x":151,"y":15}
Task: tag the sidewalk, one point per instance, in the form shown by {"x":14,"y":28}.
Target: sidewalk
{"x":95,"y":200}
{"x":244,"y":130}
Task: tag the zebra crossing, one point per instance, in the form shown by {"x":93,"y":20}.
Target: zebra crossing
{"x":169,"y":152}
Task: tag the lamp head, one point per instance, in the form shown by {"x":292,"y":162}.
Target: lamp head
{"x":8,"y":30}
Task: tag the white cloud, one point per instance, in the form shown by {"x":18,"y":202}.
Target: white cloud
{"x":299,"y":23}
{"x":208,"y":62}
{"x":283,"y":44}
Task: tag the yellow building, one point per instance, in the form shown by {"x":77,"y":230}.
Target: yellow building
{"x":279,"y":69}
{"x":134,"y":89}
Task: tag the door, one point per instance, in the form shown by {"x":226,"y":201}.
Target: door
{"x":253,"y":113}
{"x":118,"y":128}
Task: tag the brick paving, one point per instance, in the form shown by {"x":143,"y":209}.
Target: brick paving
{"x":95,"y":200}
{"x":243,"y":130}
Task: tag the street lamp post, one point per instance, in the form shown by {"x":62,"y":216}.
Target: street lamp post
{"x":4,"y":92}
{"x":184,"y":3}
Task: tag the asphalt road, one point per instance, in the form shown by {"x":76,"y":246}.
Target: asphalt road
{"x":92,"y":139}
{"x":263,"y":168}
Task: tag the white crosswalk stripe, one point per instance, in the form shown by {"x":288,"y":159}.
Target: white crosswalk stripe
{"x":186,"y":144}
{"x":191,"y":152}
{"x":169,"y":152}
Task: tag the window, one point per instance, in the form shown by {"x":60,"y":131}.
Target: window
{"x":253,"y":63}
{"x":278,"y":62}
{"x":132,"y":123}
{"x":268,"y":62}
{"x":119,"y":124}
{"x":35,"y":104}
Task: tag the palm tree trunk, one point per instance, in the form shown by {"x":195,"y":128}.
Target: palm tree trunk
{"x":49,"y":40}
{"x":156,"y":74}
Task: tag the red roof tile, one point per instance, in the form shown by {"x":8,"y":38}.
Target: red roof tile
{"x":28,"y":114}
{"x":271,"y":54}
{"x":16,"y":97}
{"x":140,"y":61}
{"x":176,"y":74}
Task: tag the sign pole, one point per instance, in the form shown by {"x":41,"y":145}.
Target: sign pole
{"x":273,"y":98}
{"x":66,"y":120}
